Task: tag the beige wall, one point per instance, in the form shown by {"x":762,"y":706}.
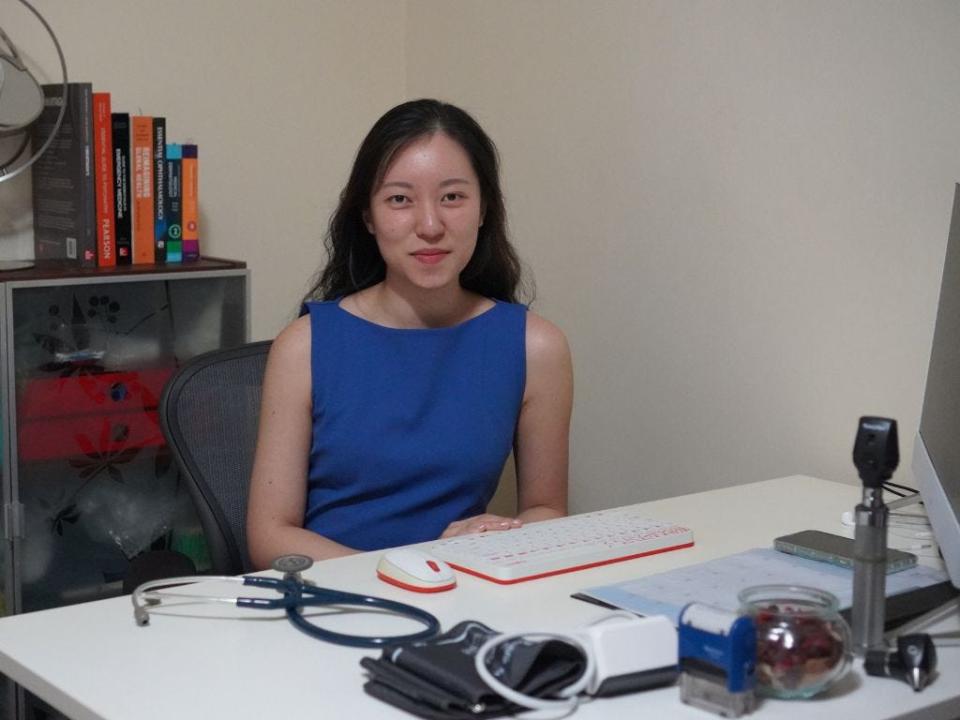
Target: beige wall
{"x":737,"y":211}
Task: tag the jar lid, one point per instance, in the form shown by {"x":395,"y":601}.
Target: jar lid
{"x":791,"y":595}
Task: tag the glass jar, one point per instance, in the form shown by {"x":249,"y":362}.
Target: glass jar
{"x":803,"y":643}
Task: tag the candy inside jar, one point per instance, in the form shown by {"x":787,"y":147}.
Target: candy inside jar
{"x":803,"y":644}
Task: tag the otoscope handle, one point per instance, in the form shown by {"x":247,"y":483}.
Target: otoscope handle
{"x":869,"y":572}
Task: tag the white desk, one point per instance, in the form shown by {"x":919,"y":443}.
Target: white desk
{"x":104,"y":667}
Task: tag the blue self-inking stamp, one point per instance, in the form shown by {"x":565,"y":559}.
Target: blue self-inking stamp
{"x":718,"y":656}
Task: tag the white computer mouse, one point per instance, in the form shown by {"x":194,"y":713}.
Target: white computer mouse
{"x":415,"y":570}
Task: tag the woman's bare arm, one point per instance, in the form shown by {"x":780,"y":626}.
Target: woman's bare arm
{"x":278,"y":485}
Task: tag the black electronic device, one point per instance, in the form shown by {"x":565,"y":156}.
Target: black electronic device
{"x":876,"y":452}
{"x":906,"y":607}
{"x":835,"y":549}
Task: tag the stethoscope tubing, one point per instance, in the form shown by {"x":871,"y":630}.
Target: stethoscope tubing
{"x":294,"y":596}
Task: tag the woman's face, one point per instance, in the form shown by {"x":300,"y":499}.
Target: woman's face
{"x":426,"y":213}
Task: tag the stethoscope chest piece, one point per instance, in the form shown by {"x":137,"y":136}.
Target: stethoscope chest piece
{"x":292,"y":564}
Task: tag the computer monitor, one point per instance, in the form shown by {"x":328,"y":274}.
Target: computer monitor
{"x":936,"y":455}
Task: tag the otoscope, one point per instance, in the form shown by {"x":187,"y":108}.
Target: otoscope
{"x":876,"y":455}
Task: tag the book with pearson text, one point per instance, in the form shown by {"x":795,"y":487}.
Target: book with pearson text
{"x":103,"y":177}
{"x":64,"y":202}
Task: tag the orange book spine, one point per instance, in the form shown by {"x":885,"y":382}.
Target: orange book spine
{"x":103,"y":180}
{"x":141,"y":147}
{"x":189,"y":207}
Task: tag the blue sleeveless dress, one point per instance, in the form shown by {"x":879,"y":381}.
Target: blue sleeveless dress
{"x":411,"y":427}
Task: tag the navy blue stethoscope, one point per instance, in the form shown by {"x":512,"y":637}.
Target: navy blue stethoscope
{"x":294,"y":596}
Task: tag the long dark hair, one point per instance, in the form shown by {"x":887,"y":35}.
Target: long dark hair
{"x":353,"y":259}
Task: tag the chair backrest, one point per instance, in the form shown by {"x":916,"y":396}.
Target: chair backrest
{"x":209,"y":412}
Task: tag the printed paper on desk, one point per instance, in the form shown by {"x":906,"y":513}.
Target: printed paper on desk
{"x":721,"y":579}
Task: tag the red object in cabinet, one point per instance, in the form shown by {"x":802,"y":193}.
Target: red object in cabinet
{"x":91,"y":435}
{"x":93,"y":393}
{"x":97,"y":415}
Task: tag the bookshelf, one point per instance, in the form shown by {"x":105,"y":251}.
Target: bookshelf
{"x":88,"y":483}
{"x":55,"y":270}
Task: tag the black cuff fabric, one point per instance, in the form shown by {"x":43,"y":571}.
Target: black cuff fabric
{"x":437,"y":679}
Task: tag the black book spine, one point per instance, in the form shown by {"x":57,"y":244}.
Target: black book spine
{"x":64,"y":202}
{"x":121,"y":179}
{"x":160,"y":189}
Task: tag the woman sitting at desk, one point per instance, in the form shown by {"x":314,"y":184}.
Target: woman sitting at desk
{"x":390,"y":407}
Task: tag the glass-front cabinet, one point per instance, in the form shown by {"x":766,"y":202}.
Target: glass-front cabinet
{"x":89,"y":486}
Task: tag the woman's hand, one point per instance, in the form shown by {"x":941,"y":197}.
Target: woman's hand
{"x":479,"y":524}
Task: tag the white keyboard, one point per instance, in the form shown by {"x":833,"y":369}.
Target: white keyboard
{"x":551,"y":547}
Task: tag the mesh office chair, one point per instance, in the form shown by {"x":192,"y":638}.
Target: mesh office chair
{"x":209,"y":412}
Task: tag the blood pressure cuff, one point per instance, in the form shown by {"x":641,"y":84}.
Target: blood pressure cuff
{"x":436,"y":678}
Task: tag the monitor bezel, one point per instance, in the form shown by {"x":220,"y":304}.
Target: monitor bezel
{"x":944,"y":519}
{"x":937,"y":478}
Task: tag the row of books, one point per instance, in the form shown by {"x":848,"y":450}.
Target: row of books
{"x":110,"y":190}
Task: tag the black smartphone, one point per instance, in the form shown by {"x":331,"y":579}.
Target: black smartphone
{"x":835,"y":549}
